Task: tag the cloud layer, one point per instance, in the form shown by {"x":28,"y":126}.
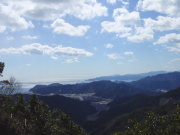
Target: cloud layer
{"x":113,"y":56}
{"x":123,"y":20}
{"x":169,"y":7}
{"x":53,"y":52}
{"x":172,"y":42}
{"x":127,"y":25}
{"x":130,"y":25}
{"x":29,"y":37}
{"x":129,"y":53}
{"x":15,"y":14}
{"x":11,"y":20}
{"x":61,"y":27}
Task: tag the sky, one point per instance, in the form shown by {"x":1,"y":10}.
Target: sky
{"x":57,"y":40}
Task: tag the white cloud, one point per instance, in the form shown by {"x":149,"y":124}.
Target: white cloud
{"x":169,"y":38}
{"x":61,"y":27}
{"x":30,"y":37}
{"x":54,"y":57}
{"x":124,"y":2}
{"x":129,"y":25}
{"x":141,"y":34}
{"x":53,"y":52}
{"x":72,"y":60}
{"x":111,"y":1}
{"x":115,"y":27}
{"x":113,"y":56}
{"x":125,"y":25}
{"x":175,"y":49}
{"x":172,"y":42}
{"x":10,"y":19}
{"x":129,"y":53}
{"x":124,"y":17}
{"x":163,"y":23}
{"x":15,"y":14}
{"x":169,"y":7}
{"x":146,"y":32}
{"x":52,"y":9}
{"x":89,"y":9}
{"x":109,"y":46}
{"x":123,"y":22}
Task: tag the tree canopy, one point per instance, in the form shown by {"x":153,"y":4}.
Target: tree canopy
{"x":1,"y":67}
{"x":155,"y":124}
{"x":33,"y":117}
{"x":8,"y":87}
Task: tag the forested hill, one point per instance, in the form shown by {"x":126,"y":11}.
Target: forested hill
{"x":110,"y":89}
{"x":136,"y":108}
{"x":106,"y":89}
{"x":33,"y":117}
{"x":165,"y":81}
{"x":77,"y":110}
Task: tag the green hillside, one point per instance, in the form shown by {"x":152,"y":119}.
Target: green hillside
{"x":135,"y":108}
{"x":32,"y":117}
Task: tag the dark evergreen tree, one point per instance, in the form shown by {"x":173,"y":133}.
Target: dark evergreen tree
{"x":155,"y":124}
{"x":1,"y":68}
{"x":32,"y":117}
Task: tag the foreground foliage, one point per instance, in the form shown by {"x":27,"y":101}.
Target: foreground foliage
{"x":32,"y":117}
{"x":155,"y":124}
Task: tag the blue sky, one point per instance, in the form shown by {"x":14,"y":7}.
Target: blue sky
{"x":57,"y":40}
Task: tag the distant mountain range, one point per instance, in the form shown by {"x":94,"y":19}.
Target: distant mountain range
{"x":129,"y":100}
{"x":159,"y":82}
{"x":108,"y":89}
{"x":120,"y":110}
{"x":127,"y":77}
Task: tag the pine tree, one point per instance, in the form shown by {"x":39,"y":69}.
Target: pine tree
{"x":1,"y":67}
{"x":21,"y":117}
{"x":155,"y":124}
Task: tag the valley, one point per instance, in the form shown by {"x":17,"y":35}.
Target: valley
{"x":89,"y":67}
{"x":111,"y":104}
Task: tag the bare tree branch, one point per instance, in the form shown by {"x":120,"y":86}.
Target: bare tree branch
{"x":10,"y":86}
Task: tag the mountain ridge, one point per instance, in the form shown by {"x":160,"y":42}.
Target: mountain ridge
{"x":109,"y":89}
{"x":127,"y":77}
{"x":135,"y":107}
{"x":161,"y":81}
